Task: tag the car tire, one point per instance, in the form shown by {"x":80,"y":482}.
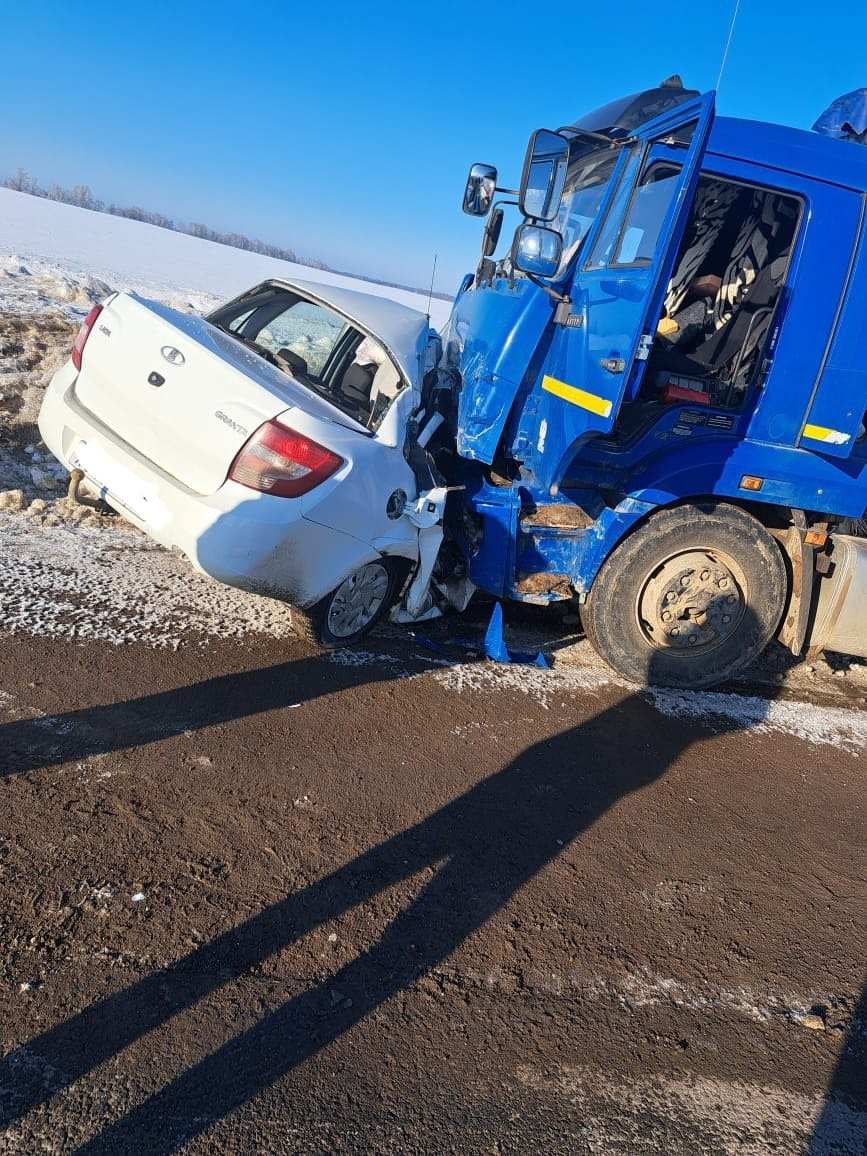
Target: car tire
{"x":353,"y":608}
{"x":689,"y":599}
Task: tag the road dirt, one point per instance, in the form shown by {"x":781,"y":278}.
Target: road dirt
{"x":256,"y":898}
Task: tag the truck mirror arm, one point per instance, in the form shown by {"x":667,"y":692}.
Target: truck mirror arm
{"x":560,"y":298}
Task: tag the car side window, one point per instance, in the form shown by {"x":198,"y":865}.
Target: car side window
{"x":311,"y":331}
{"x":236,"y":325}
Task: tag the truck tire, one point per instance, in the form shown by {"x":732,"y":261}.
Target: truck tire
{"x":689,"y":599}
{"x":353,"y":608}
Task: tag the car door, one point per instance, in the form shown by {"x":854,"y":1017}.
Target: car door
{"x":597,"y":357}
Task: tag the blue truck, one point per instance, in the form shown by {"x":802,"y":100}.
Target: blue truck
{"x":655,"y":402}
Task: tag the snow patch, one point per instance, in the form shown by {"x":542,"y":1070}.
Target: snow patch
{"x":820,"y":725}
{"x":114,"y":585}
{"x":623,"y":1113}
{"x":540,"y":685}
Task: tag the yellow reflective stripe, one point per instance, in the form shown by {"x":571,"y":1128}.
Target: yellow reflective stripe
{"x":598,"y":405}
{"x":820,"y":433}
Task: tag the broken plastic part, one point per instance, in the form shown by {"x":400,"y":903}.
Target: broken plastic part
{"x":496,"y":649}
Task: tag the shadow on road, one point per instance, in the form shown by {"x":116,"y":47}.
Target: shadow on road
{"x":847,"y":1086}
{"x":482,"y":848}
{"x":34,"y":744}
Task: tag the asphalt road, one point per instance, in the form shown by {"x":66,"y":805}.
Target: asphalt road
{"x":254,"y":898}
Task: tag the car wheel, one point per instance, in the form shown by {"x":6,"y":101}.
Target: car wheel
{"x":689,"y":599}
{"x":353,"y":608}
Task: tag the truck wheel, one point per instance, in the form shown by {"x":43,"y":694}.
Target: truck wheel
{"x":689,"y":599}
{"x":353,"y":608}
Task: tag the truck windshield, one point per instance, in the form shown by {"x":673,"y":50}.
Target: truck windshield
{"x":587,"y":177}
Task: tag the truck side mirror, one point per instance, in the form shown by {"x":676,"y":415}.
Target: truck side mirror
{"x":537,"y":250}
{"x":479,"y":193}
{"x":544,"y":175}
{"x":492,"y":233}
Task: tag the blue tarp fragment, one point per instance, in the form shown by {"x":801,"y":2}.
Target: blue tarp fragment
{"x":495,"y":644}
{"x":427,"y":643}
{"x":846,"y":118}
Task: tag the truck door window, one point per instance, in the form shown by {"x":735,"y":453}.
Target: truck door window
{"x":610,"y":231}
{"x":647,"y":212}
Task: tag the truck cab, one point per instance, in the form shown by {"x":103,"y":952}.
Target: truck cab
{"x":671,"y":341}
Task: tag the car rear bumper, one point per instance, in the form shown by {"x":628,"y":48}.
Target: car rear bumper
{"x":238,"y":536}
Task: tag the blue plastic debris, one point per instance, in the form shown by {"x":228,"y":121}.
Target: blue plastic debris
{"x":846,"y":118}
{"x":427,"y":643}
{"x":495,"y":644}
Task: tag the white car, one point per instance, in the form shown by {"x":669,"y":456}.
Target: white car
{"x":266,"y":441}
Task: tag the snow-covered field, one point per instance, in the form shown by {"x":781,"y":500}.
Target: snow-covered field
{"x":64,"y":241}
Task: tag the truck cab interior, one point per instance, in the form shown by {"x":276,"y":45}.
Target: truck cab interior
{"x":723,"y":293}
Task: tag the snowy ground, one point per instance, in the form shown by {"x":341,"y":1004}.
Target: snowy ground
{"x":64,"y":243}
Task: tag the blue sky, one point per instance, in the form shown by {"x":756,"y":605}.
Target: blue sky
{"x":345,"y":130}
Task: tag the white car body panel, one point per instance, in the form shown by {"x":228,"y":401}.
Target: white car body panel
{"x":160,"y":456}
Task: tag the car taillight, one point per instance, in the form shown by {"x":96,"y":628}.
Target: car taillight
{"x":277,"y":460}
{"x":83,"y":334}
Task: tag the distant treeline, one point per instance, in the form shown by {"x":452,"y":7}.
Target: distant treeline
{"x":83,"y":198}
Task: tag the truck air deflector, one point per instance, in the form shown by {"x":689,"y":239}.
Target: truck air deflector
{"x":835,"y":418}
{"x":624,"y":266}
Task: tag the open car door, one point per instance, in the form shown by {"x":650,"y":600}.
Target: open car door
{"x":624,"y":265}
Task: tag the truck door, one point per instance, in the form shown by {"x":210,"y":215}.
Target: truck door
{"x":597,"y":358}
{"x":834,"y":420}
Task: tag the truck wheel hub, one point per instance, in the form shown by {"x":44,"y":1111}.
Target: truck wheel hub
{"x":692,"y":601}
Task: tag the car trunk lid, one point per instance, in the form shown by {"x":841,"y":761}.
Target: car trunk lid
{"x":183,"y":393}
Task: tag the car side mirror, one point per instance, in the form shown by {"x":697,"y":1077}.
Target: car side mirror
{"x":544,"y":175}
{"x":479,"y":193}
{"x":537,"y":250}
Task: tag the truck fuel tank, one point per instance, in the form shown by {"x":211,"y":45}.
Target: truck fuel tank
{"x":840,"y":621}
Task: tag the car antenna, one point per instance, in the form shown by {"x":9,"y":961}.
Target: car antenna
{"x":728,"y":45}
{"x":430,"y":292}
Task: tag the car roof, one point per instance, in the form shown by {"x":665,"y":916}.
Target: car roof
{"x":793,"y":150}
